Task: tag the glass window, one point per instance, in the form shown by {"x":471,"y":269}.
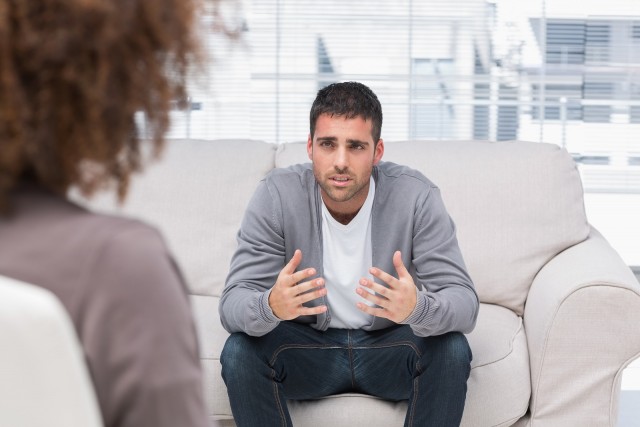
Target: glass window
{"x":470,"y":69}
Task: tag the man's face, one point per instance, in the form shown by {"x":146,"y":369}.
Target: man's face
{"x":343,"y":153}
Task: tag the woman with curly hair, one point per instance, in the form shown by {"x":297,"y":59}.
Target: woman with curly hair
{"x":73,"y":74}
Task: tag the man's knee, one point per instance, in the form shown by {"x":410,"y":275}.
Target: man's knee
{"x":236,"y":355}
{"x":454,"y":350}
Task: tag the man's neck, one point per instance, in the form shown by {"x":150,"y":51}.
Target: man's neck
{"x":342,"y":217}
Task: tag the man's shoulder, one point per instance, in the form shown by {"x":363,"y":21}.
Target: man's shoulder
{"x":403,"y":175}
{"x":291,"y":176}
{"x":299,"y":169}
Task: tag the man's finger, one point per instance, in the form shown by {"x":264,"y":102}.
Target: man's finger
{"x":310,"y":311}
{"x":301,"y":288}
{"x":384,"y":276}
{"x":374,"y":311}
{"x":293,"y":263}
{"x":382,"y":302}
{"x":318,"y":292}
{"x":399,"y":265}
{"x":375,"y":287}
{"x":299,"y":276}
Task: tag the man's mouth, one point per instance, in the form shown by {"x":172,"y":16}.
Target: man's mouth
{"x":340,"y":180}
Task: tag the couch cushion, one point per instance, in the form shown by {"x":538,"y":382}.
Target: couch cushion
{"x":516,"y":205}
{"x":498,"y":388}
{"x":196,"y":195}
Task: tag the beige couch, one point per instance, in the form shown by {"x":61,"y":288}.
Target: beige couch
{"x":560,"y":310}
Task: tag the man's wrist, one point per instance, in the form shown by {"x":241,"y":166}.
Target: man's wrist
{"x":265,"y":309}
{"x":422,"y":305}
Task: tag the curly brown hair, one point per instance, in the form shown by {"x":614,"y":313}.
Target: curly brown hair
{"x":73,"y":75}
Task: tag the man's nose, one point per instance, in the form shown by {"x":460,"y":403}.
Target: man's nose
{"x":341,"y":158}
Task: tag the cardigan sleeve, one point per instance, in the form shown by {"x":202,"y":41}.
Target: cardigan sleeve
{"x":254,"y":269}
{"x":446,"y":298}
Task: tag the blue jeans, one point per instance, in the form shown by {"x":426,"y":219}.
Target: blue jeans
{"x":297,"y":362}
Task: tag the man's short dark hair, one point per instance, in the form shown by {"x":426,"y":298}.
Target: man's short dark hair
{"x":348,"y":100}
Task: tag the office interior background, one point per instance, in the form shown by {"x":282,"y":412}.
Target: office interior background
{"x":540,"y":70}
{"x":555,"y":71}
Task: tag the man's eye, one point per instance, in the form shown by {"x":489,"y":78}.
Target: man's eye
{"x":357,"y":147}
{"x":326,"y":144}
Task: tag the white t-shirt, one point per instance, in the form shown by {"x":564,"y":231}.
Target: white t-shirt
{"x":347,"y":257}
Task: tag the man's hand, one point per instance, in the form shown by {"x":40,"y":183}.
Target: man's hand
{"x":397,"y":301}
{"x":287,"y":296}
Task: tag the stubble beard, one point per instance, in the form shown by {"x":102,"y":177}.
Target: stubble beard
{"x":340,"y":195}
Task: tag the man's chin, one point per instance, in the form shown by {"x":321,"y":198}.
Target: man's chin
{"x":339,"y":195}
{"x":339,"y":198}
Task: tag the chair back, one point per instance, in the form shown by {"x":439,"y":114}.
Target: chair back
{"x":44,"y":380}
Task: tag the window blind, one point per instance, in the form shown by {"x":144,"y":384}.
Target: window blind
{"x":470,"y":69}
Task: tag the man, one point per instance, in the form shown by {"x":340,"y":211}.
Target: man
{"x":347,"y":278}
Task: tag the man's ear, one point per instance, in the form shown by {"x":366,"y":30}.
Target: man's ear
{"x":310,"y":147}
{"x":379,"y":152}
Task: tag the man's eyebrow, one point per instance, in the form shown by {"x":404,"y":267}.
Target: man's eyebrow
{"x":327,"y":138}
{"x":357,"y":141}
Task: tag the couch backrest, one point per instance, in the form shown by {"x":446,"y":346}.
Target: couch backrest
{"x":515,"y":204}
{"x":196,"y":195}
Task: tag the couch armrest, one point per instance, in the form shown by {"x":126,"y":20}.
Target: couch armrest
{"x":581,"y":319}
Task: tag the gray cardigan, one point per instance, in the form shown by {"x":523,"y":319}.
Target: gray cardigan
{"x":408,"y":215}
